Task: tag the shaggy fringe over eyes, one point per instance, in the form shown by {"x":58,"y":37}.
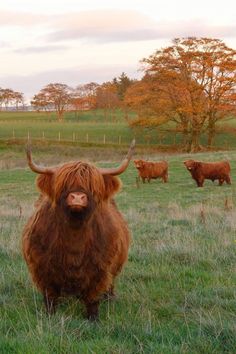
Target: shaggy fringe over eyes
{"x":79,"y":175}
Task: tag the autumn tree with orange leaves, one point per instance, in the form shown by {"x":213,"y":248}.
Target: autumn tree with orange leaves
{"x":8,"y":97}
{"x":84,"y":96}
{"x":53,"y":97}
{"x":191,"y":83}
{"x":107,"y":98}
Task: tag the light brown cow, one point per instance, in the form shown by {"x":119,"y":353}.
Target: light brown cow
{"x":77,"y":241}
{"x":209,"y":170}
{"x":152,"y":170}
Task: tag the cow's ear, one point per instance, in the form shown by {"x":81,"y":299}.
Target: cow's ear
{"x":45,"y":184}
{"x":112,"y":185}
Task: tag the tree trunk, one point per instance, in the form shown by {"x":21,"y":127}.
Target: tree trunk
{"x":185,"y":133}
{"x":60,"y":115}
{"x":105,"y":113}
{"x":126,"y":116}
{"x":194,"y":145}
{"x":185,"y":137}
{"x":211,"y":130}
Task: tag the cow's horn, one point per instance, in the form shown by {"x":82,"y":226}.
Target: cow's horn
{"x":33,"y":166}
{"x":114,"y":171}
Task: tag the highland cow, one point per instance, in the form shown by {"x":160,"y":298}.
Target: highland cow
{"x":209,"y":170}
{"x":76,"y":242}
{"x":152,"y":170}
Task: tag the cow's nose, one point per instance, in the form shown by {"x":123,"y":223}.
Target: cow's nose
{"x":77,"y":198}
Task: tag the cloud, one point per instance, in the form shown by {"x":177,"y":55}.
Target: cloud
{"x":4,"y":44}
{"x":103,"y":26}
{"x":197,"y":28}
{"x":121,"y":26}
{"x":106,"y":26}
{"x":21,"y":19}
{"x":106,"y":36}
{"x":40,"y":49}
{"x":31,"y":84}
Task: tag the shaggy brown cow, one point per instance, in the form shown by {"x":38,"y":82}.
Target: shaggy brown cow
{"x":152,"y":170}
{"x":76,"y":242}
{"x":209,"y":170}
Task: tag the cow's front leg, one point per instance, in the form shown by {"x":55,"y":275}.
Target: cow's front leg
{"x":50,"y":301}
{"x":200,"y":182}
{"x":228,"y":180}
{"x":165,"y":178}
{"x":110,"y":294}
{"x":92,"y":308}
{"x":221,"y":181}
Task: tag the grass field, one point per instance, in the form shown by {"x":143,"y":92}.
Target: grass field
{"x":92,"y":127}
{"x":177,"y":291}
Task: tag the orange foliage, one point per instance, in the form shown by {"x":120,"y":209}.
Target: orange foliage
{"x":191,"y":83}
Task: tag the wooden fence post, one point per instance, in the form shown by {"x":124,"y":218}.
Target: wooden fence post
{"x":59,"y":136}
{"x":104,"y":139}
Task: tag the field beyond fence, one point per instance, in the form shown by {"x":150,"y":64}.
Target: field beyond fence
{"x":91,"y":128}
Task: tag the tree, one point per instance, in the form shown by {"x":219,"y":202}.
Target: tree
{"x":54,"y":95}
{"x":122,"y":83}
{"x":40,"y":102}
{"x":84,"y":96}
{"x":156,"y":101}
{"x":193,"y":82}
{"x":18,"y":98}
{"x":7,"y":96}
{"x":107,"y":98}
{"x":217,"y":78}
{"x":1,"y":97}
{"x":10,"y":97}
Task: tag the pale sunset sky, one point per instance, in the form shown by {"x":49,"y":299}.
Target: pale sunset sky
{"x":79,"y":41}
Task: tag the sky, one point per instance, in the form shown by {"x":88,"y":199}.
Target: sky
{"x":79,"y":41}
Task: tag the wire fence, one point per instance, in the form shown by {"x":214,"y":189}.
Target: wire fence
{"x":97,"y":137}
{"x":60,"y":136}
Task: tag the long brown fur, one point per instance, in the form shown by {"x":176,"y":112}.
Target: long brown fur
{"x":152,"y":170}
{"x":209,"y":170}
{"x":70,"y":255}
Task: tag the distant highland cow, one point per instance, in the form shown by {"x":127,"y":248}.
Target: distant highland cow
{"x":152,"y":170}
{"x":77,"y":241}
{"x":209,"y":170}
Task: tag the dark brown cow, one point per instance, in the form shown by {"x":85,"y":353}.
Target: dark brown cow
{"x":76,"y":242}
{"x":209,"y":170}
{"x":152,"y":170}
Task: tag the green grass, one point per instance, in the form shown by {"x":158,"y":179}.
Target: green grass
{"x":177,"y":291}
{"x":82,"y":132}
{"x":82,"y":116}
{"x":92,"y":127}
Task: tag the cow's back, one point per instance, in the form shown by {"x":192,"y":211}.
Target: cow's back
{"x":159,"y":168}
{"x":215,"y":169}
